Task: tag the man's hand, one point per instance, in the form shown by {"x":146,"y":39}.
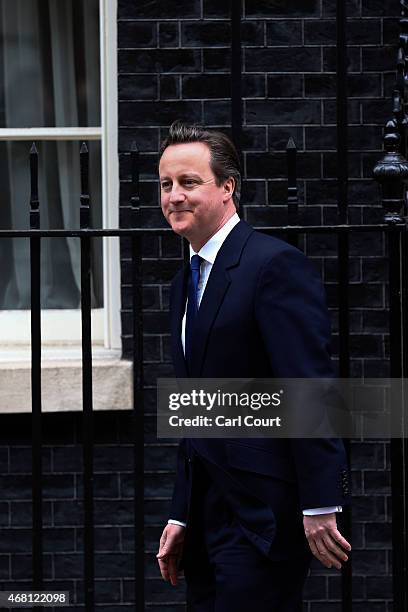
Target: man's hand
{"x":171,"y":547}
{"x":325,"y":541}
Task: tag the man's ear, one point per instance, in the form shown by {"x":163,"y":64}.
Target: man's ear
{"x":229,"y":188}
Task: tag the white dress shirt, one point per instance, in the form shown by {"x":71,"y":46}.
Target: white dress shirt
{"x":208,"y":253}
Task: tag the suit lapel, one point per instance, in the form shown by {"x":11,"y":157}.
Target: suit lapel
{"x":217,"y":285}
{"x":178,"y":304}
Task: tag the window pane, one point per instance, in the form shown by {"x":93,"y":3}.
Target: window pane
{"x":59,"y":192}
{"x":49,"y":63}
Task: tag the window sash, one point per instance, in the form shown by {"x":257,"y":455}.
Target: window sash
{"x":108,"y":134}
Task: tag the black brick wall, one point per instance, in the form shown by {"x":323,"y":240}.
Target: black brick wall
{"x":173,"y":62}
{"x":289,"y":88}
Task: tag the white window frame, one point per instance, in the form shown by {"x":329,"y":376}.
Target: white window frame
{"x":62,"y":327}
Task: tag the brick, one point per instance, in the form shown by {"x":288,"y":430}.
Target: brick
{"x":217,"y":60}
{"x":376,"y":321}
{"x":107,"y":591}
{"x":280,"y":8}
{"x":169,"y":87}
{"x":376,"y":111}
{"x":146,"y":138}
{"x":320,"y":32}
{"x":378,"y":58}
{"x":280,"y":59}
{"x":158,"y":113}
{"x":377,"y":368}
{"x":169,"y":34}
{"x":334,"y":587}
{"x":375,"y":270}
{"x":331,"y":163}
{"x":370,"y":562}
{"x":134,"y":34}
{"x":217,"y":113}
{"x":171,"y":246}
{"x":320,"y":138}
{"x":155,"y":588}
{"x":286,"y":33}
{"x":206,"y":86}
{"x":252,"y":33}
{"x":58,"y":540}
{"x":391,"y":30}
{"x":366,"y":242}
{"x":353,"y":8}
{"x":285,"y":86}
{"x":331,"y":270}
{"x":377,"y":482}
{"x":378,"y":535}
{"x":330,"y":111}
{"x":366,"y":345}
{"x":262,"y":215}
{"x":364,"y":85}
{"x":15,"y":540}
{"x":363,"y":192}
{"x":253,"y":86}
{"x":4,"y":567}
{"x":107,"y":539}
{"x":278,"y":137}
{"x":367,"y":454}
{"x":206,"y":34}
{"x":161,"y":457}
{"x":104,"y":485}
{"x":215,"y":9}
{"x":145,"y":9}
{"x":274,"y":165}
{"x":368,"y":508}
{"x":158,"y":60}
{"x":282,"y":111}
{"x":377,"y":8}
{"x":137,"y":87}
{"x":320,"y":85}
{"x":379,"y":587}
{"x":330,"y":59}
{"x":254,"y":193}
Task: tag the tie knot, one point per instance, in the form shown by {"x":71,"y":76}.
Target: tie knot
{"x":195,"y":263}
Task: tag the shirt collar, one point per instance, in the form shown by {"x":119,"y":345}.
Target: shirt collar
{"x":210,"y":250}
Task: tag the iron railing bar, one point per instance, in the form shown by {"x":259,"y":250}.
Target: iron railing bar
{"x":343,"y":257}
{"x":88,"y":437}
{"x":397,"y":444}
{"x":35,"y":281}
{"x":236,"y":73}
{"x":302,"y":229}
{"x":138,"y":378}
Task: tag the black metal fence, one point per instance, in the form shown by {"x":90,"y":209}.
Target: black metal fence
{"x":391,"y":172}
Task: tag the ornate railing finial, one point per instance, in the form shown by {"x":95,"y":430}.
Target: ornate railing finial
{"x":392,"y":173}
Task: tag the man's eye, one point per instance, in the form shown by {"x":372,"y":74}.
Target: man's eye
{"x":165,"y":186}
{"x":190,"y":182}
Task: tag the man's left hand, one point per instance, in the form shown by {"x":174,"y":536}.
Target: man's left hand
{"x":325,"y":541}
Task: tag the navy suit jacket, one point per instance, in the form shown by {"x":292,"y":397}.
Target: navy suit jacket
{"x":262,"y":315}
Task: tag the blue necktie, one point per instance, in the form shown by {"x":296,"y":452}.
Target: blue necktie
{"x":192,"y":305}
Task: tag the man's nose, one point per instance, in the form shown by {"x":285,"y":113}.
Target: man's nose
{"x":177,"y":194}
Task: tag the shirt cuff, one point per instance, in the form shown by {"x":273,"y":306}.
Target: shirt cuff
{"x":174,"y":522}
{"x":325,"y":510}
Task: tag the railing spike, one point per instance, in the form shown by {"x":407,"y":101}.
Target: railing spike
{"x":84,"y":212}
{"x":34,"y":201}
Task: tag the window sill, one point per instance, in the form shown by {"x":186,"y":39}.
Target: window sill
{"x":61,"y":380}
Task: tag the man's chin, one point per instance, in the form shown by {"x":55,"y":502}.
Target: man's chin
{"x":182,"y":229}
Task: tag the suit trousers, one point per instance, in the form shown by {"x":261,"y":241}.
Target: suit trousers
{"x":224,"y":571}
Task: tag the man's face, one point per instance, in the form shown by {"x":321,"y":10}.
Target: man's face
{"x":191,"y":201}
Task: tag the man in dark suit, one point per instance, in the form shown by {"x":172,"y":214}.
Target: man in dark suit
{"x":247,"y":514}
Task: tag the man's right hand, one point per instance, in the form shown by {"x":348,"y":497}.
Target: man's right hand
{"x":170,"y":551}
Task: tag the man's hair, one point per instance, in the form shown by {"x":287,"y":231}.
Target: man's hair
{"x":224,"y":159}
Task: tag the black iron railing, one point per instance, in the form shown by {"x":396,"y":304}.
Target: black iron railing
{"x":391,"y":172}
